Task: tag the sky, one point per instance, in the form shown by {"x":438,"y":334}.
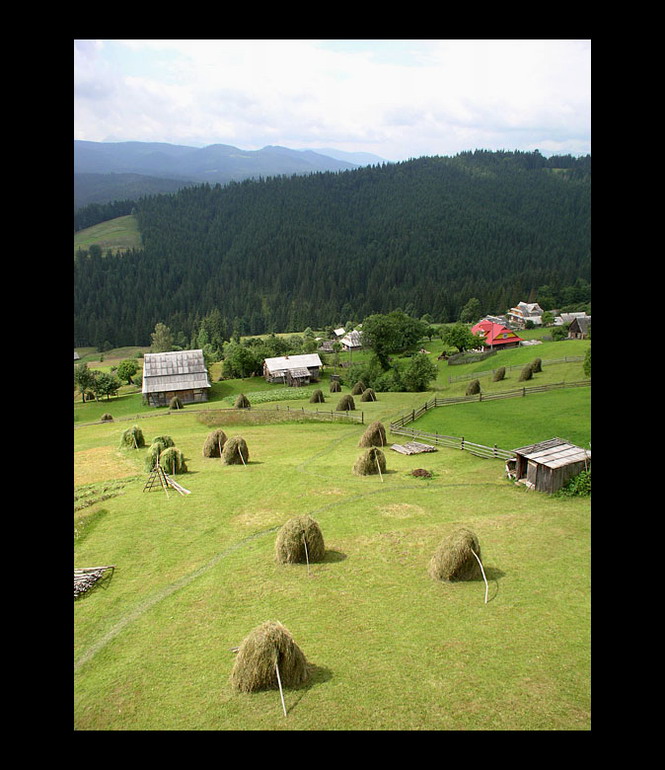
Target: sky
{"x":397,"y":99}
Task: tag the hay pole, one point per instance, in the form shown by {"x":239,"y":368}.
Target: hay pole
{"x":304,"y":540}
{"x":482,"y":570}
{"x":378,"y":466}
{"x":241,"y":457}
{"x":279,"y":682}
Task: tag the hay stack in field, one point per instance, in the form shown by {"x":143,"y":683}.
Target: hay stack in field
{"x":173,"y":461}
{"x":132,"y":438}
{"x":537,"y":365}
{"x":159,"y":444}
{"x":317,"y":397}
{"x":358,"y":388}
{"x":235,"y":451}
{"x":453,"y":559}
{"x":473,"y":388}
{"x":242,"y":402}
{"x":175,"y":403}
{"x":300,"y":540}
{"x":526,"y":373}
{"x":254,"y":667}
{"x":165,"y":441}
{"x":212,"y":446}
{"x":499,"y":374}
{"x":368,"y":395}
{"x":335,"y":387}
{"x":370,"y":462}
{"x":106,"y":417}
{"x":375,"y":435}
{"x":346,"y":404}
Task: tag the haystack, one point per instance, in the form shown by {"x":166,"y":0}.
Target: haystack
{"x":317,"y":397}
{"x":370,"y":462}
{"x":132,"y":438}
{"x":335,"y":387}
{"x":242,"y":402}
{"x":368,"y":395}
{"x":358,"y":388}
{"x":235,"y":451}
{"x":299,"y":541}
{"x":176,"y":403}
{"x":212,"y":447}
{"x":499,"y":374}
{"x":473,"y":388}
{"x":346,"y":404}
{"x":375,"y":435}
{"x":165,"y":441}
{"x":173,"y":461}
{"x":269,"y":644}
{"x":106,"y":417}
{"x":526,"y":373}
{"x":453,"y":559}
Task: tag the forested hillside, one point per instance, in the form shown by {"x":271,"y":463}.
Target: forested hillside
{"x":285,"y":253}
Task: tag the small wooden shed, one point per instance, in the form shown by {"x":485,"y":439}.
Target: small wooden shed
{"x":292,"y":370}
{"x":180,"y":373}
{"x":548,"y":465}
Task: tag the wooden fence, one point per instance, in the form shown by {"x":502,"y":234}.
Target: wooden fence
{"x":487,"y":372}
{"x":455,"y":442}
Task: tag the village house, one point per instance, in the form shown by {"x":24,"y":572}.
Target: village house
{"x":496,"y":336}
{"x":352,"y":341}
{"x":292,"y":370}
{"x":179,"y":373}
{"x":523,"y":312}
{"x":579,"y":328}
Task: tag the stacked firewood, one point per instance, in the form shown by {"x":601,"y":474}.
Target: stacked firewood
{"x":85,"y":578}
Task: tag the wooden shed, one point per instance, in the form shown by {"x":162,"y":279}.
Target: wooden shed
{"x":548,"y":465}
{"x":180,"y":373}
{"x":293,"y":370}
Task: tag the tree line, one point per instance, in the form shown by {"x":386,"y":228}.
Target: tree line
{"x":285,"y":253}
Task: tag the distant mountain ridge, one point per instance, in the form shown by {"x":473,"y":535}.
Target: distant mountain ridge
{"x":182,"y":165}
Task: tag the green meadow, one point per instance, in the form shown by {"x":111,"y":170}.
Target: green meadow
{"x":388,"y":648}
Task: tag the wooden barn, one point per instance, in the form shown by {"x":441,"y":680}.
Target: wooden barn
{"x":293,"y":370}
{"x":180,"y":373}
{"x":548,"y":465}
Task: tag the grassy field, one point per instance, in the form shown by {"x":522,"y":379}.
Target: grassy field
{"x":388,"y":648}
{"x":117,"y":234}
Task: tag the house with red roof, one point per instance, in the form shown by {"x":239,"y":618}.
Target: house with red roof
{"x":496,"y":336}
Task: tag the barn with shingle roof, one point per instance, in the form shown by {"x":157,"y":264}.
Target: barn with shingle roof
{"x":179,"y":373}
{"x":548,"y":465}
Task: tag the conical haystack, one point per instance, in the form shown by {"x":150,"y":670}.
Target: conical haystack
{"x":358,"y":388}
{"x":132,"y":438}
{"x":453,"y":559}
{"x":214,"y":443}
{"x":235,"y":451}
{"x":173,"y":461}
{"x":346,"y":404}
{"x":317,"y":397}
{"x":242,"y":402}
{"x":368,"y":395}
{"x":300,"y":541}
{"x":370,"y":462}
{"x":335,"y":387}
{"x":375,"y":435}
{"x":269,"y":644}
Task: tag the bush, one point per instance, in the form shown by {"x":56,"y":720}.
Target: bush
{"x":132,"y":438}
{"x":346,"y":404}
{"x":499,"y":374}
{"x":317,"y":397}
{"x":214,"y":443}
{"x":473,"y":388}
{"x":578,"y":486}
{"x":175,"y":403}
{"x":368,"y":395}
{"x":172,"y":461}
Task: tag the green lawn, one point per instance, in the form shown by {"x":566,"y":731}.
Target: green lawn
{"x":389,"y":648}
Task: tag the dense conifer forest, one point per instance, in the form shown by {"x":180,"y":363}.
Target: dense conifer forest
{"x":285,"y":253}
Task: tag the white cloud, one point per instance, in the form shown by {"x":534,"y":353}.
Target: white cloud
{"x":398,"y":99}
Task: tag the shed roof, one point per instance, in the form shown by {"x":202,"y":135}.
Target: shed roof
{"x":282,"y":363}
{"x":554,"y":453}
{"x":175,"y":370}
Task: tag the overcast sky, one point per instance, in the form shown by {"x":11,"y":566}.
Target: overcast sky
{"x":397,"y":99}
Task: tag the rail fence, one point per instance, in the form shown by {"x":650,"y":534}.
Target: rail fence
{"x":548,"y":362}
{"x":455,"y":442}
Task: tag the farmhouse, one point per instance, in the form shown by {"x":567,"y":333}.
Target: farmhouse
{"x":579,"y":328}
{"x":352,"y":341}
{"x":525,"y":311}
{"x":180,"y":373}
{"x":496,"y":336}
{"x":548,"y":465}
{"x":292,"y":370}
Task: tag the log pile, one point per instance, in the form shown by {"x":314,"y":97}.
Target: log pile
{"x":86,"y":577}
